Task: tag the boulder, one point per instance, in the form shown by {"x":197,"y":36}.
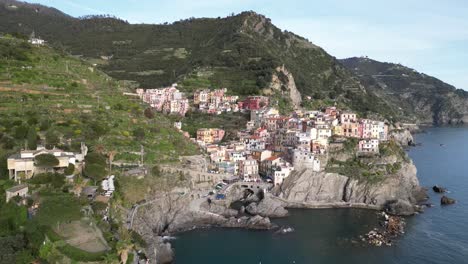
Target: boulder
{"x":446,"y":200}
{"x":400,"y":207}
{"x":164,"y":252}
{"x":268,"y":207}
{"x":438,"y":189}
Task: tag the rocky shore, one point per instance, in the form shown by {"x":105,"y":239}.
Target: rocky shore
{"x":398,"y":194}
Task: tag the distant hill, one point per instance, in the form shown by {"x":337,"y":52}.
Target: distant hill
{"x":425,"y":97}
{"x":245,"y":53}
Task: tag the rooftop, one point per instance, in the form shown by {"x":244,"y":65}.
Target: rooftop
{"x":17,"y":188}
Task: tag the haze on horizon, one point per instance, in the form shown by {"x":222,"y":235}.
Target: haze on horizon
{"x":429,"y":36}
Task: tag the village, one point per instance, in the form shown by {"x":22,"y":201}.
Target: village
{"x":268,"y":149}
{"x":271,"y":146}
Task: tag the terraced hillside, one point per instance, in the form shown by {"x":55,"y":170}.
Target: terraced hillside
{"x":66,"y":101}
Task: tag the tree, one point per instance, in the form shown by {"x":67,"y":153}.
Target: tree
{"x":46,"y":160}
{"x":51,"y":139}
{"x":95,"y":158}
{"x":149,"y":113}
{"x":70,"y":169}
{"x":111,"y":155}
{"x":32,"y":138}
{"x":95,"y":171}
{"x":21,"y":132}
{"x":139,"y":133}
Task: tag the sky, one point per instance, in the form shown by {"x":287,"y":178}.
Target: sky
{"x":430,"y":36}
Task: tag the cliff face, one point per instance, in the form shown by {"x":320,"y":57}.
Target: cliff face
{"x":307,"y":188}
{"x":282,"y":81}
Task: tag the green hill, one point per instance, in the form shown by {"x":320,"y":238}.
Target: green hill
{"x":418,"y":95}
{"x":238,"y":52}
{"x":67,"y":101}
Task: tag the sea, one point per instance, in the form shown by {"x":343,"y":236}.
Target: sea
{"x":439,"y":235}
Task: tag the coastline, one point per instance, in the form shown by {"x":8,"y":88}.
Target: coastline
{"x":223,"y":217}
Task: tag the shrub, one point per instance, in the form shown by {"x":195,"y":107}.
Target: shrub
{"x":77,"y":254}
{"x":70,"y":169}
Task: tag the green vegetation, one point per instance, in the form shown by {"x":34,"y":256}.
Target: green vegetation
{"x":54,"y":180}
{"x":239,"y":52}
{"x":67,"y":102}
{"x":48,"y":98}
{"x":357,"y":169}
{"x":392,"y":148}
{"x":57,"y":209}
{"x":230,"y":122}
{"x":367,"y":168}
{"x":46,"y":161}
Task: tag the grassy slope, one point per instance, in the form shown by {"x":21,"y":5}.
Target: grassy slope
{"x":54,"y":92}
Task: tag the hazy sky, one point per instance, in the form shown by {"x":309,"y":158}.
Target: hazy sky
{"x":428,"y":35}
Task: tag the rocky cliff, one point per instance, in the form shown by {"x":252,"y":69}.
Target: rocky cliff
{"x":282,"y":82}
{"x":321,"y":189}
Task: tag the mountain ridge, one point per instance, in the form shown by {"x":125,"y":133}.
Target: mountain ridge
{"x":428,"y":98}
{"x":240,"y":52}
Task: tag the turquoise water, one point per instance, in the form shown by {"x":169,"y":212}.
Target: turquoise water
{"x":440,"y":235}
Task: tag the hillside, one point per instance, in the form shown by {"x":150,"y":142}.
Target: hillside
{"x":66,"y":101}
{"x":427,"y":98}
{"x":241,"y":52}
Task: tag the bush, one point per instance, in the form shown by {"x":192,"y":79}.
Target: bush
{"x":70,"y":169}
{"x":77,"y":254}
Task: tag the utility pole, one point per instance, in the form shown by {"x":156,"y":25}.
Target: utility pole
{"x":142,"y":152}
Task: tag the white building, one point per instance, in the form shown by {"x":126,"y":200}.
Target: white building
{"x":248,"y":169}
{"x":282,"y":173}
{"x":369,"y":146}
{"x":305,"y":160}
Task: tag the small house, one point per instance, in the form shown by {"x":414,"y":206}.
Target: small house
{"x":17,"y":191}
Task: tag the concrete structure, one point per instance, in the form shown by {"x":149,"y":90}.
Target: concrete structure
{"x":18,"y":190}
{"x":370,"y":146}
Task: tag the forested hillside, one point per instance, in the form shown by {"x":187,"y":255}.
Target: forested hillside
{"x":239,"y":52}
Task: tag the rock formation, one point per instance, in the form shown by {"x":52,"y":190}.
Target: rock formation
{"x":444,"y":200}
{"x":321,"y":189}
{"x":438,"y":189}
{"x":282,"y":81}
{"x":402,"y":136}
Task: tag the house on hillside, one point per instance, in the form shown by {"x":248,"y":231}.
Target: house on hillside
{"x":23,"y":165}
{"x":16,"y":191}
{"x":210,"y":135}
{"x":368,"y":146}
